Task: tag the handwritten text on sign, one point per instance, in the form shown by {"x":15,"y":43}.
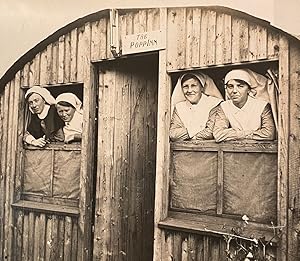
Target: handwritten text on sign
{"x":143,"y":42}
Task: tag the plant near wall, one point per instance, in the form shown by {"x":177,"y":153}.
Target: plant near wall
{"x":239,"y":248}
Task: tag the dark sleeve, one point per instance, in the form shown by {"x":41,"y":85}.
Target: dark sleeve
{"x":267,"y":130}
{"x":53,"y":124}
{"x":34,"y":127}
{"x":207,"y":132}
{"x":222,"y":130}
{"x":177,"y":128}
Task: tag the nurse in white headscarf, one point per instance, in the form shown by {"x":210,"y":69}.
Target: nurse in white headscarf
{"x":246,"y":114}
{"x":194,"y":97}
{"x":69,"y":108}
{"x":43,"y":124}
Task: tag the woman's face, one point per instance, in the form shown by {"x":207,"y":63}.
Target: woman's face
{"x":66,"y":113}
{"x":237,"y":92}
{"x":192,"y":90}
{"x":36,"y":103}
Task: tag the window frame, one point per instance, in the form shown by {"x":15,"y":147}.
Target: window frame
{"x":219,"y":223}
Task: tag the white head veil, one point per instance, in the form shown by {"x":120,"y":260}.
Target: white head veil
{"x":72,"y":99}
{"x":209,"y":88}
{"x":49,"y":99}
{"x":261,"y":87}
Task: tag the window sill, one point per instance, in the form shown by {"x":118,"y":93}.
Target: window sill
{"x":216,"y":226}
{"x":46,"y":208}
{"x":56,"y":146}
{"x":228,"y":146}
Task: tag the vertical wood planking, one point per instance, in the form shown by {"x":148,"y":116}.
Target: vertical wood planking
{"x":117,"y":170}
{"x":37,"y":69}
{"x":25,"y":80}
{"x":74,"y":253}
{"x":42,"y":237}
{"x":184,"y":250}
{"x":87,"y":151}
{"x":177,"y":245}
{"x":150,"y":20}
{"x":203,"y":37}
{"x":142,"y":21}
{"x":68,"y":239}
{"x":240,"y":40}
{"x":211,"y":38}
{"x":244,"y":40}
{"x":74,"y":51}
{"x":19,"y":236}
{"x":100,"y":189}
{"x":181,"y":37}
{"x":294,"y":152}
{"x":262,"y":43}
{"x":196,"y":37}
{"x":4,"y":162}
{"x":31,"y":226}
{"x":31,"y":72}
{"x":220,"y":38}
{"x":8,"y":172}
{"x":67,"y":59}
{"x":107,"y":169}
{"x":61,"y":238}
{"x":55,"y":62}
{"x":20,"y":122}
{"x":122,"y":29}
{"x":171,"y":38}
{"x":95,"y":41}
{"x":176,"y":37}
{"x":227,"y":49}
{"x":163,"y":146}
{"x":283,"y":137}
{"x":223,"y":38}
{"x":48,"y":237}
{"x":14,"y":158}
{"x":61,"y":58}
{"x":25,"y":237}
{"x":257,"y":42}
{"x":192,"y":247}
{"x":35,"y":243}
{"x":189,"y":37}
{"x":253,"y":35}
{"x":44,"y":69}
{"x":108,"y":37}
{"x":81,"y":53}
{"x":103,"y":23}
{"x":273,"y":44}
{"x":126,"y":127}
{"x":49,"y":61}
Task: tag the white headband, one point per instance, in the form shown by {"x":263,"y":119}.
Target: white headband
{"x":43,"y":92}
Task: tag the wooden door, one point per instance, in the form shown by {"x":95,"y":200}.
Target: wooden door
{"x":125,"y":179}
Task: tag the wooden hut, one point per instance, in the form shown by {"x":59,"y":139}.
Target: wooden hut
{"x":126,"y":192}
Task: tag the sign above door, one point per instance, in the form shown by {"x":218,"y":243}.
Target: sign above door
{"x":143,"y":42}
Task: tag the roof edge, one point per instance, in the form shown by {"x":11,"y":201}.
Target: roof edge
{"x":29,"y":55}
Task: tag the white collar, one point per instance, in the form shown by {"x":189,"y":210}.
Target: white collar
{"x":44,"y":113}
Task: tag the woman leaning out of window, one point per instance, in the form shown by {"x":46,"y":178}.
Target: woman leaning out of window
{"x":69,"y":109}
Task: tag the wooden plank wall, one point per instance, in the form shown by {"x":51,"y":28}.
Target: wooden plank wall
{"x":66,"y":60}
{"x":294,"y":155}
{"x":42,"y":236}
{"x":224,"y":39}
{"x":126,"y":160}
{"x":201,"y":37}
{"x":8,"y":162}
{"x":187,"y":246}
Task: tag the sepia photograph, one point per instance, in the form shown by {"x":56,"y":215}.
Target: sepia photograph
{"x":150,"y":130}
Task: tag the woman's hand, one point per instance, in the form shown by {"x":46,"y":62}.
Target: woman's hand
{"x":41,"y":142}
